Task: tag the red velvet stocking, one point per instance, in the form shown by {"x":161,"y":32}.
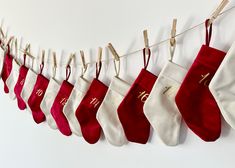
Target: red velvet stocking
{"x":7,"y":67}
{"x":130,"y":111}
{"x":86,"y":111}
{"x":194,"y":100}
{"x":58,"y":105}
{"x":36,"y":97}
{"x":19,"y":86}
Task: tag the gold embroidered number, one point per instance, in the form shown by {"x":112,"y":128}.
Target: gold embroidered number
{"x":22,"y":81}
{"x":167,"y":88}
{"x":143,"y":96}
{"x":95,"y":102}
{"x":39,"y":92}
{"x":204,"y":79}
{"x":63,"y":101}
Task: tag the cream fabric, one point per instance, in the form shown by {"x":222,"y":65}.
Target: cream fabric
{"x":48,"y":100}
{"x":222,"y":87}
{"x":77,"y":94}
{"x":2,"y":57}
{"x":29,"y":83}
{"x":160,"y":108}
{"x":107,"y":114}
{"x":12,"y":79}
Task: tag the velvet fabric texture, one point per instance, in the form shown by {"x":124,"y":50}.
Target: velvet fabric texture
{"x":160,"y":108}
{"x":12,"y":79}
{"x":80,"y":88}
{"x":194,"y":99}
{"x":48,"y":100}
{"x":130,"y":111}
{"x":58,"y":105}
{"x":87,"y":109}
{"x":7,"y":67}
{"x":27,"y":89}
{"x":19,"y":86}
{"x":222,"y":87}
{"x":107,"y":113}
{"x":36,"y":97}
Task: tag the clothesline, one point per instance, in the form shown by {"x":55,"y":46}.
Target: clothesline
{"x":151,"y":46}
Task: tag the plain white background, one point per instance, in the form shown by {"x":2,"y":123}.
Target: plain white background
{"x":71,"y":25}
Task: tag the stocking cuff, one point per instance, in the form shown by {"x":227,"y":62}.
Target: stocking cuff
{"x":119,"y":86}
{"x":82,"y":85}
{"x":174,"y":71}
{"x":210,"y":56}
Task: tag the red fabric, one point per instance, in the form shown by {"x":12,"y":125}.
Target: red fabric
{"x":58,"y":105}
{"x":86,"y":111}
{"x":7,"y":67}
{"x":130,"y":111}
{"x":36,"y":97}
{"x":194,"y":100}
{"x":19,"y":86}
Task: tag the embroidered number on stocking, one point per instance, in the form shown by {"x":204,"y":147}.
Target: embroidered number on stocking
{"x":39,"y":92}
{"x":63,"y":101}
{"x":95,"y":102}
{"x":204,"y":79}
{"x":22,"y":82}
{"x":143,"y":96}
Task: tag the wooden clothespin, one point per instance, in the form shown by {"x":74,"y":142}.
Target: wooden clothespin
{"x":173,"y":32}
{"x":54,"y":64}
{"x":100,"y":54}
{"x":10,"y":40}
{"x":1,"y":32}
{"x":43,"y":56}
{"x":16,"y":47}
{"x":146,"y":40}
{"x":172,"y":39}
{"x":54,"y":60}
{"x":27,"y":51}
{"x":72,"y":56}
{"x":218,"y":10}
{"x":116,"y":59}
{"x":114,"y":52}
{"x":83,"y":59}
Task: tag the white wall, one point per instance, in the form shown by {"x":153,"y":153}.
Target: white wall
{"x":86,"y":24}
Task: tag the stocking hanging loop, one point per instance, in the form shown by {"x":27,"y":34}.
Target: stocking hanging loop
{"x":54,"y":65}
{"x":9,"y":44}
{"x":68,"y":67}
{"x":84,"y":65}
{"x":68,"y":72}
{"x":146,"y":49}
{"x":27,"y":49}
{"x":146,"y":60}
{"x":99,"y":63}
{"x":117,"y":67}
{"x":16,"y":47}
{"x":208,"y":27}
{"x":42,"y":61}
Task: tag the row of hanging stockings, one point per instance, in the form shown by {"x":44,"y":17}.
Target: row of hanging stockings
{"x":125,"y":112}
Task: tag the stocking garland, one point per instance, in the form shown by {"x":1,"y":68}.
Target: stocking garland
{"x":123,"y":115}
